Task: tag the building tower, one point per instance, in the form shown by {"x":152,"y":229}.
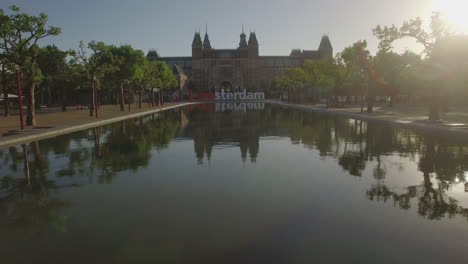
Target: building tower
{"x":197,"y":46}
{"x":206,"y":42}
{"x":325,"y":49}
{"x":243,"y":40}
{"x":253,"y":46}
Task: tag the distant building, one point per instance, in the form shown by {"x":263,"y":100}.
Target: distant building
{"x":237,"y":69}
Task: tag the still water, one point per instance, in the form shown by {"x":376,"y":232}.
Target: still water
{"x":216,"y":184}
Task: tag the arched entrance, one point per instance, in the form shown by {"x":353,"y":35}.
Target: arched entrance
{"x":226,"y":86}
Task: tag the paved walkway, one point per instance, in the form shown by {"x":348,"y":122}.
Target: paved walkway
{"x":52,"y":123}
{"x":410,"y":117}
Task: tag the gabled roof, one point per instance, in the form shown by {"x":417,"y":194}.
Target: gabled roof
{"x":176,"y":69}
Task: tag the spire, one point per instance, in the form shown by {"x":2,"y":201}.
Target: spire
{"x":197,"y":42}
{"x":206,"y":41}
{"x":253,"y":39}
{"x":243,"y":40}
{"x":325,"y":43}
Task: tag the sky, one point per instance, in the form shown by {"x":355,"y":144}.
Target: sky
{"x":168,"y":26}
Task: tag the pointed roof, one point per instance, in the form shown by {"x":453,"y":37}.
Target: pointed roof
{"x":153,"y":54}
{"x":296,"y":53}
{"x":197,"y":42}
{"x":253,"y":39}
{"x":206,"y":42}
{"x":325,"y":43}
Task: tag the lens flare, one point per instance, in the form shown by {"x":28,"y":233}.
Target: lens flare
{"x":454,"y":11}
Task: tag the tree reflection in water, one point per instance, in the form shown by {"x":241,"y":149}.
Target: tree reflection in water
{"x":27,"y":203}
{"x":354,"y":144}
{"x":447,"y":165}
{"x":28,"y":195}
{"x":99,"y":155}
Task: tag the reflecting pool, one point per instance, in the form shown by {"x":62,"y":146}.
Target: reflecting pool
{"x":235,"y":183}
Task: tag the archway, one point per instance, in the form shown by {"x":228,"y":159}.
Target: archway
{"x":226,"y":86}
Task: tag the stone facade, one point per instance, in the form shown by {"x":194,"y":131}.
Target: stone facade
{"x":238,"y":69}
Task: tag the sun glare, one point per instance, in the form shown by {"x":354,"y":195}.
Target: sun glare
{"x":455,"y":13}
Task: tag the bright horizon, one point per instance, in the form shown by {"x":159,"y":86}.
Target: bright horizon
{"x":280,"y":25}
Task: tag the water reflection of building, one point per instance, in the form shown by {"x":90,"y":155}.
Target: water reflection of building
{"x":213,"y":128}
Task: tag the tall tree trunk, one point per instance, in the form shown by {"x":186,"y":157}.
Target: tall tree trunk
{"x":153,"y":102}
{"x":6,"y":108}
{"x":31,"y":111}
{"x":98,"y":96}
{"x":161,"y":98}
{"x":42,"y":97}
{"x":64,"y":105}
{"x":129,"y":101}
{"x":96,"y":107}
{"x":370,"y":97}
{"x":370,"y":104}
{"x":122,"y":98}
{"x":92,"y":99}
{"x":149,"y":97}
{"x":362,"y":103}
{"x":139,"y":98}
{"x":49,"y":96}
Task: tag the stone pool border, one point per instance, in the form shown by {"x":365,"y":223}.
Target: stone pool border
{"x":411,"y":125}
{"x":63,"y":130}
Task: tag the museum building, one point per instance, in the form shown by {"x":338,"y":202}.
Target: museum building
{"x":214,"y":70}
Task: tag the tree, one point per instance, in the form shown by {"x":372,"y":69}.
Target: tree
{"x":154,"y":80}
{"x":130,"y":62}
{"x":7,"y":82}
{"x":166,"y":77}
{"x":55,"y":68}
{"x":327,"y":75}
{"x":20,"y":34}
{"x":356,"y":59}
{"x":101,"y":62}
{"x":439,"y":34}
{"x":148,"y":76}
{"x":293,"y":80}
{"x":72,"y":79}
